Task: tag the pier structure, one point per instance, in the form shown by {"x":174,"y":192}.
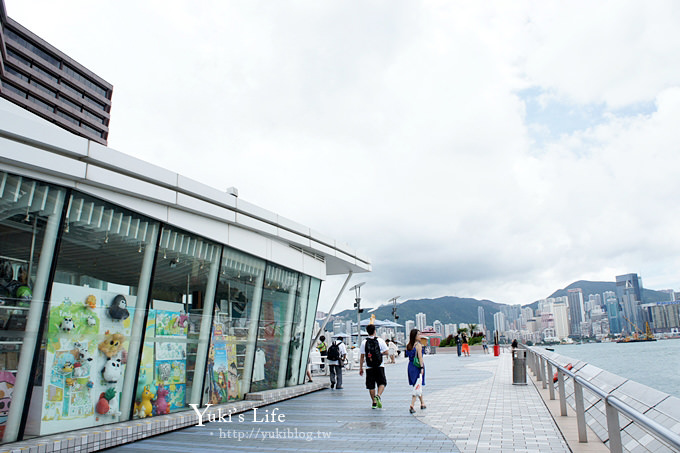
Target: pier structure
{"x":472,"y":406}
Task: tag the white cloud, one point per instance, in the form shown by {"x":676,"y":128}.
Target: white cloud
{"x":399,"y":128}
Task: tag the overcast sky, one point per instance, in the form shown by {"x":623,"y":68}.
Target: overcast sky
{"x":496,"y":150}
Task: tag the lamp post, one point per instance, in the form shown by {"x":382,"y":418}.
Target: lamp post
{"x":357,"y":303}
{"x":394,"y":314}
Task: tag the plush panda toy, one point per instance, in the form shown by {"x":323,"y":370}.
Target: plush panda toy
{"x":66,"y":324}
{"x":111,"y":371}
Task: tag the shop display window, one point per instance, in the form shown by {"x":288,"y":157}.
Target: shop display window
{"x":30,"y":212}
{"x":275,"y":326}
{"x":175,"y":347}
{"x":97,"y":288}
{"x":308,"y":329}
{"x":231,"y":353}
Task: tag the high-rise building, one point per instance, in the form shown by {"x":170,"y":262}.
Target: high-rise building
{"x":612,"y":305}
{"x":665,"y":316}
{"x":561,"y":319}
{"x":45,"y":81}
{"x":421,"y":321}
{"x":629,"y":293}
{"x":450,"y":329}
{"x":480,"y":319}
{"x":594,"y":300}
{"x":438,"y":327}
{"x":409,"y":326}
{"x":499,"y":322}
{"x":576,"y":311}
{"x":670,"y":292}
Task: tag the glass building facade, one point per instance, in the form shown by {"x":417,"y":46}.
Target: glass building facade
{"x":128,"y":291}
{"x":109,"y":315}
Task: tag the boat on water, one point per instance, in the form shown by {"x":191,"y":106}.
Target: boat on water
{"x":638,"y":338}
{"x":635,"y":340}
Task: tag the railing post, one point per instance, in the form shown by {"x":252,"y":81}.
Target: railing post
{"x":563,"y":393}
{"x":539,"y":364}
{"x":580,"y":412}
{"x":551,"y":385}
{"x":613,"y":428}
{"x":544,"y":372}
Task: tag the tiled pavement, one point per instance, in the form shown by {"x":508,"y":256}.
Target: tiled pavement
{"x":472,"y":407}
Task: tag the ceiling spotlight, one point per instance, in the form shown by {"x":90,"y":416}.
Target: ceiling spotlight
{"x":173,"y":263}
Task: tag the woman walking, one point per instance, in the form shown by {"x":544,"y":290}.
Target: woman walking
{"x":414,"y":352}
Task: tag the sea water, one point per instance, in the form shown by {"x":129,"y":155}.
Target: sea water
{"x":655,"y":364}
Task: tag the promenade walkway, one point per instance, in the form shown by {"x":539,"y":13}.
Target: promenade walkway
{"x":472,"y":406}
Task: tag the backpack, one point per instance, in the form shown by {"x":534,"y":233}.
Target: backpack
{"x":333,"y":352}
{"x":373,"y":354}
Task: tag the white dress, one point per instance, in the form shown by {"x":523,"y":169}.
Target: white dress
{"x":260,"y":360}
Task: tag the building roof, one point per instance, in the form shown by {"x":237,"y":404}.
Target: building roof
{"x":33,"y":147}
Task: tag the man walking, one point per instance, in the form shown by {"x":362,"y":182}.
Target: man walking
{"x":323,"y":350}
{"x":335,"y":359}
{"x":372,"y":349}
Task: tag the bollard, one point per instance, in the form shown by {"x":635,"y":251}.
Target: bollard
{"x":519,"y":369}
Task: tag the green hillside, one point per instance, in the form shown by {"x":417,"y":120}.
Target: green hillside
{"x":448,"y":309}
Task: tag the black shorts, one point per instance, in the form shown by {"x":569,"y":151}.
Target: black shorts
{"x":375,"y":376}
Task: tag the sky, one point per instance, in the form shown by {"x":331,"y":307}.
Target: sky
{"x":495,"y":150}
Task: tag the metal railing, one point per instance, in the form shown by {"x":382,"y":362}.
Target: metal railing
{"x":542,"y":367}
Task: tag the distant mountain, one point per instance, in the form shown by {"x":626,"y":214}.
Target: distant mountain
{"x":448,"y":309}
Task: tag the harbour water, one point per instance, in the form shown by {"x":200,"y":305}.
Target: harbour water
{"x":655,"y":364}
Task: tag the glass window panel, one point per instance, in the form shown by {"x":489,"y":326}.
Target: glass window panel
{"x":297,"y":331}
{"x":43,"y":88}
{"x":308,"y":333}
{"x":19,"y":57}
{"x":29,"y":219}
{"x":42,"y":104}
{"x":94,"y":298}
{"x":16,"y":73}
{"x":184,"y":282}
{"x":276,"y":314}
{"x":236,"y":309}
{"x":14,"y":89}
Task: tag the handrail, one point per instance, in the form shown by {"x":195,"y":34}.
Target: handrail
{"x":637,"y":416}
{"x":611,"y":401}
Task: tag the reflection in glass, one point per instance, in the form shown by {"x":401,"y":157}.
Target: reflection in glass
{"x":308,"y":331}
{"x":240,"y":285}
{"x":276,"y":313}
{"x":183,"y":285}
{"x":296,"y":333}
{"x":30,"y":212}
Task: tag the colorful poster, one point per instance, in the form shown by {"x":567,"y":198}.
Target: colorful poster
{"x":164,"y":359}
{"x":87,"y":339}
{"x":171,"y":323}
{"x":170,"y":372}
{"x":146,"y":366}
{"x":7,"y":380}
